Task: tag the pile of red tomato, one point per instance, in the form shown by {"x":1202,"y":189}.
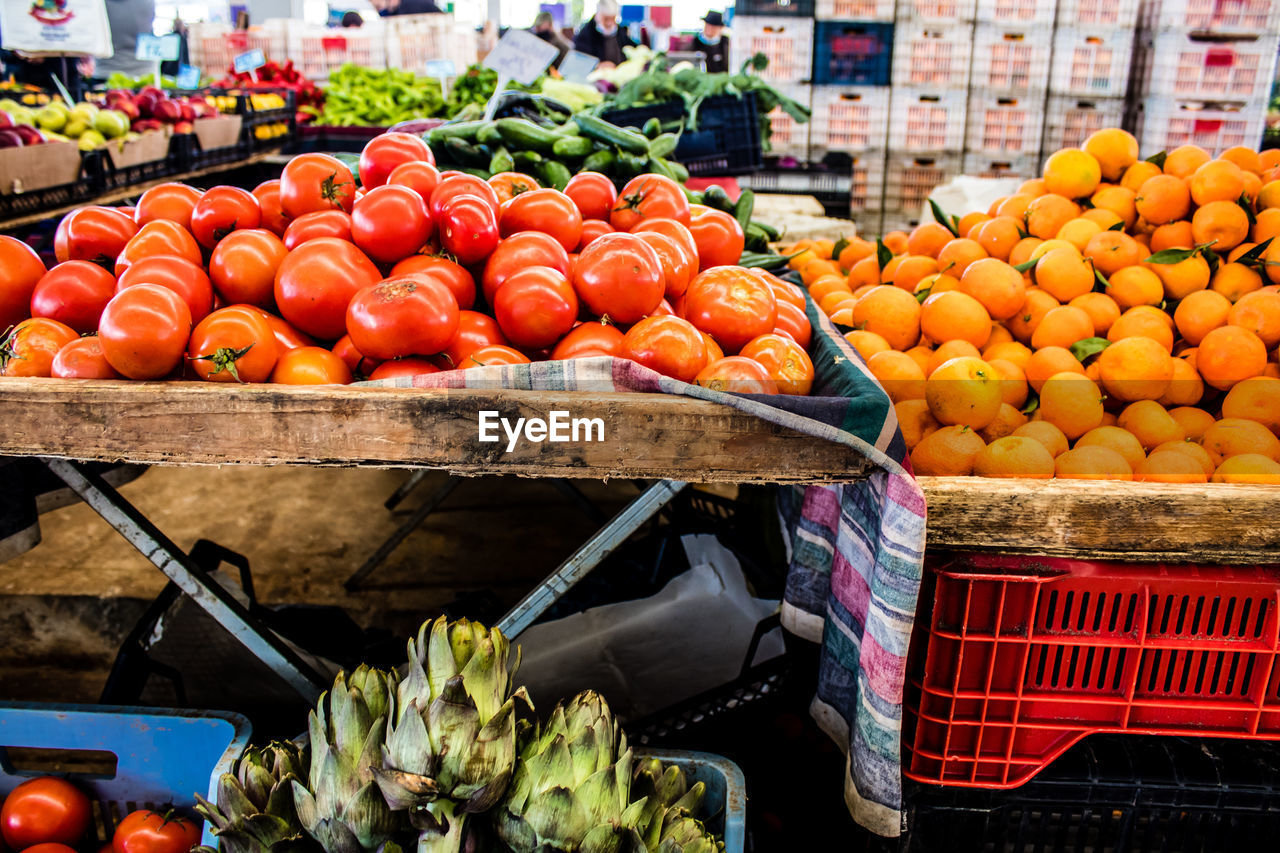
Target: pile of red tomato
{"x":314,"y":279}
{"x":50,"y":815}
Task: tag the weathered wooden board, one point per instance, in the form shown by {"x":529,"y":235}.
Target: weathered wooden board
{"x":187,"y":423}
{"x":1212,"y":523}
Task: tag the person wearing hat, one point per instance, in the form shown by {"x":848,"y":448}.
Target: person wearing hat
{"x":601,"y":36}
{"x":712,"y":43}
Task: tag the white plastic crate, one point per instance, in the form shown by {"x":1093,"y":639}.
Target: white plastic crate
{"x":1119,"y":14}
{"x":1093,"y":62}
{"x":787,"y":42}
{"x":1011,"y":59}
{"x":316,"y":50}
{"x":415,"y":40}
{"x":899,"y":219}
{"x":1176,"y":64}
{"x":1002,"y":126}
{"x":931,"y":56}
{"x":1070,"y":119}
{"x":909,"y":179}
{"x":848,"y":120}
{"x":789,"y":138}
{"x":866,"y":181}
{"x":984,"y":166}
{"x":922,"y":120}
{"x":213,"y":46}
{"x":854,"y":10}
{"x":1215,"y":126}
{"x":1017,"y":13}
{"x":1221,"y":16}
{"x":938,"y":13}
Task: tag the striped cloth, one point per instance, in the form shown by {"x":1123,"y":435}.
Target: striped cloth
{"x":855,"y":549}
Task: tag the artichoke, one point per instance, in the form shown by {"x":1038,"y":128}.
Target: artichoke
{"x":667,"y":824}
{"x":255,"y":811}
{"x":341,"y":806}
{"x":572,"y":785}
{"x":451,"y":747}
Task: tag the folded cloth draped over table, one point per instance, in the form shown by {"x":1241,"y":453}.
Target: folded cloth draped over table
{"x":856,"y":549}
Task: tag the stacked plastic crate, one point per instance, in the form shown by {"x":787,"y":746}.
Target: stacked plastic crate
{"x":783,"y":31}
{"x":1204,"y":72}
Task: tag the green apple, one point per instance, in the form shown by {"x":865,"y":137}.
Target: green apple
{"x":23,"y":115}
{"x":9,"y":105}
{"x":51,"y":118}
{"x":85,"y":111}
{"x":111,"y":124}
{"x":91,"y":139}
{"x":75,"y":127}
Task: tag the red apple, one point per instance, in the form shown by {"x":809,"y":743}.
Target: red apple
{"x":168,"y":112}
{"x":10,"y":138}
{"x":30,"y":136}
{"x":184,"y":126}
{"x":5,"y":119}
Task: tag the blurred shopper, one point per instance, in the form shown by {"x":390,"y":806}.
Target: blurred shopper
{"x":387,"y":8}
{"x":601,"y":36}
{"x":127,"y":18}
{"x":544,"y":27}
{"x":352,"y":19}
{"x":712,"y":43}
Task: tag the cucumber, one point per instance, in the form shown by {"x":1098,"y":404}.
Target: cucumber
{"x":756,"y":238}
{"x":770,"y":233}
{"x":630,"y":165}
{"x":664,"y":145}
{"x":680,"y":173}
{"x":464,"y":130}
{"x":569,"y":129}
{"x":574,"y":147}
{"x":501,"y":161}
{"x":522,"y":134}
{"x":465,"y":153}
{"x":652,"y":128}
{"x":479,"y":173}
{"x":662,"y":167}
{"x":526,"y":159}
{"x":716,"y":197}
{"x":600,"y":130}
{"x":488,"y":135}
{"x":600,"y":161}
{"x":554,"y":174}
{"x":743,"y":209}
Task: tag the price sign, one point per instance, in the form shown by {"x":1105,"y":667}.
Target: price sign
{"x":250,"y":60}
{"x":521,"y":56}
{"x":188,"y":77}
{"x":441,"y":68}
{"x":576,"y":65}
{"x":152,"y":48}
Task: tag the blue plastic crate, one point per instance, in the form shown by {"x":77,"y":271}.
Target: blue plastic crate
{"x":725,"y":808}
{"x":161,"y":756}
{"x":852,"y":53}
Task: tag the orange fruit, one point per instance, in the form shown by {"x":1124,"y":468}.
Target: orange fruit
{"x":949,"y":350}
{"x":863,"y":272}
{"x":1194,"y":421}
{"x":833,"y":300}
{"x":1185,"y":388}
{"x":1235,"y":280}
{"x":1137,"y":174}
{"x":1175,"y":235}
{"x":1048,"y":246}
{"x":1013,"y":382}
{"x":1014,"y":456}
{"x":1100,"y":307}
{"x":1135,"y":286}
{"x":1259,"y":313}
{"x":1217,"y":180}
{"x":937,"y":283}
{"x":843,"y":313}
{"x":999,"y":287}
{"x":1103,"y":218}
{"x":1248,"y":468}
{"x":1022,"y":251}
{"x":895,"y":241}
{"x":1072,"y":173}
{"x":1112,"y":251}
{"x":1192,"y":451}
{"x":1047,"y":214}
{"x":1078,"y":232}
{"x":1162,"y":199}
{"x":999,"y":335}
{"x":1117,"y":200}
{"x":1032,"y":186}
{"x":1222,"y":224}
{"x":964,"y":391}
{"x":899,"y":374}
{"x":915,"y":420}
{"x":997,"y":236}
{"x":1230,"y":354}
{"x":928,"y":238}
{"x":1184,"y":277}
{"x":954,"y":258}
{"x":1092,"y":463}
{"x":1007,"y":420}
{"x":1266,"y":227}
{"x":921,"y":355}
{"x":1011,"y":351}
{"x":1272,"y":265}
{"x":1170,"y":466}
{"x":1114,"y":438}
{"x":1234,"y":436}
{"x":947,"y":452}
{"x":1045,"y":433}
{"x":1269,"y":195}
{"x":1013,"y":205}
{"x":911,"y":270}
{"x":1023,"y":324}
{"x":1200,"y":313}
{"x":1256,"y":399}
{"x":1072,"y":403}
{"x":1150,"y":423}
{"x":955,"y":316}
{"x":867,"y":343}
{"x":1143,"y":322}
{"x":967,"y":224}
{"x":1063,"y":274}
{"x":1062,"y":327}
{"x":856,"y":251}
{"x":1115,"y":150}
{"x":1246,"y":158}
{"x":1182,"y":161}
{"x":1048,"y":362}
{"x":891,"y":313}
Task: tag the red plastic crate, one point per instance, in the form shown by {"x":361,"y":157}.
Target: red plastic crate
{"x":1024,"y":656}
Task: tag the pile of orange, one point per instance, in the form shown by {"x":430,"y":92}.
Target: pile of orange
{"x":1117,"y":318}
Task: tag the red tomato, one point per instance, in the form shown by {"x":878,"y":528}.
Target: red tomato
{"x":468,"y":228}
{"x":731,"y":305}
{"x":323,"y":223}
{"x":20,"y":270}
{"x":419,"y":176}
{"x":475,"y":330}
{"x":678,"y":268}
{"x":312,"y":182}
{"x":28,"y":349}
{"x":233,"y":344}
{"x":718,"y":235}
{"x":51,"y":847}
{"x":173,"y":202}
{"x":353,"y":358}
{"x":664,"y":309}
{"x":44,"y":810}
{"x":95,"y":234}
{"x":787,"y":363}
{"x":714,"y":353}
{"x":536,"y":307}
{"x":160,"y":237}
{"x":593,"y":193}
{"x":588,"y":340}
{"x":82,"y":358}
{"x":316,"y":283}
{"x":311,"y":366}
{"x":179,"y":275}
{"x":268,"y":195}
{"x":287,"y":337}
{"x":390,"y":223}
{"x":243,"y":267}
{"x":491,"y":355}
{"x":454,"y":184}
{"x":649,"y":197}
{"x":144,"y":331}
{"x":783,"y":291}
{"x":74,"y":293}
{"x":454,"y":276}
{"x":222,"y":210}
{"x":382,"y":154}
{"x":411,"y":366}
{"x":410,"y":315}
{"x":793,"y":322}
{"x":669,"y":345}
{"x":145,"y":831}
{"x":675,"y":230}
{"x":738,"y":375}
{"x":549,"y":211}
{"x":508,"y":185}
{"x":591,"y":229}
{"x":619,"y":276}
{"x":518,"y":252}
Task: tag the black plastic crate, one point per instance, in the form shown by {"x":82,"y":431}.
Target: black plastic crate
{"x":726,"y":140}
{"x":335,"y":140}
{"x":852,"y":53}
{"x":190,"y":156}
{"x":790,"y":8}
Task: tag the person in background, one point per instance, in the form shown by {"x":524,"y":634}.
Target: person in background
{"x":352,"y":19}
{"x":601,"y":36}
{"x":388,"y":8}
{"x":712,"y":43}
{"x":544,"y":27}
{"x":127,"y":19}
{"x":170,"y":68}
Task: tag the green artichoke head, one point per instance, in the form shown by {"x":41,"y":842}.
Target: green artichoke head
{"x":255,"y":812}
{"x":668,"y":823}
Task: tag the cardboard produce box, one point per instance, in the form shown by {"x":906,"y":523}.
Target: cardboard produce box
{"x":35,"y":167}
{"x":148,"y":148}
{"x":219,"y":132}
